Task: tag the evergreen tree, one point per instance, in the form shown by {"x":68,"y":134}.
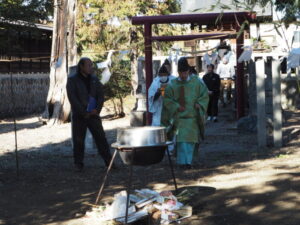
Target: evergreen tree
{"x":104,"y":25}
{"x":25,"y":11}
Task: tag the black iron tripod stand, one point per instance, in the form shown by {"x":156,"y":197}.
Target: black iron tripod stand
{"x":133,"y":150}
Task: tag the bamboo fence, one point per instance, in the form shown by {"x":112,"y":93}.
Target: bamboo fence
{"x":29,"y":93}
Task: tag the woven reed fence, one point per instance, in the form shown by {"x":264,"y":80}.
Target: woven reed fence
{"x":30,"y":93}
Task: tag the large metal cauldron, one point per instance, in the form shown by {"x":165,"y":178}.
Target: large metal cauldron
{"x":141,"y":145}
{"x":141,"y":136}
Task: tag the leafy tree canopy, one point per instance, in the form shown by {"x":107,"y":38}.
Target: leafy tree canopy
{"x":20,"y":16}
{"x":27,"y":11}
{"x":289,"y":8}
{"x":104,"y":25}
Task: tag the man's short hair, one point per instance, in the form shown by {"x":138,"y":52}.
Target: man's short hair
{"x":211,"y":65}
{"x":81,"y":63}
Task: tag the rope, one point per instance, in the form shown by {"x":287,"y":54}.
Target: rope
{"x":194,"y":52}
{"x":18,"y":60}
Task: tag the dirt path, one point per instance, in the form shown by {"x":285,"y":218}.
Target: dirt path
{"x":238,"y":185}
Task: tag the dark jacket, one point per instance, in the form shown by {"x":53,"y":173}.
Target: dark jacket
{"x":212,"y":82}
{"x":78,"y":94}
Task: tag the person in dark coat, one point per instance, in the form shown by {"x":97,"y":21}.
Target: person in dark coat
{"x":212,"y":81}
{"x":85,"y":93}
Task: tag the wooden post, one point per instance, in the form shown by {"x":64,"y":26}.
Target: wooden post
{"x":30,"y":51}
{"x":261,"y":105}
{"x":148,"y":63}
{"x":277,"y":114}
{"x":240,"y":95}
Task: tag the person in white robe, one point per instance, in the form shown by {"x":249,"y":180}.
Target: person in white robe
{"x":156,"y":93}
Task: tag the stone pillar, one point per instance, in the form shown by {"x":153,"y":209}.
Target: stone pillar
{"x":240,"y":94}
{"x":261,"y":107}
{"x":138,"y":114}
{"x":252,"y":88}
{"x":141,"y":76}
{"x":277,"y":113}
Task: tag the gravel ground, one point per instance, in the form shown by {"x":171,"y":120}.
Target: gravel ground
{"x":238,"y":183}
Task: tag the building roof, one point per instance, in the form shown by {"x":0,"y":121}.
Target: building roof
{"x":25,"y":23}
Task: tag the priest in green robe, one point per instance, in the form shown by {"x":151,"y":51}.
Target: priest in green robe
{"x":184,"y":107}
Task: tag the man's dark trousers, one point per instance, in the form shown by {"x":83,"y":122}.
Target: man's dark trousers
{"x":79,"y":127}
{"x":212,"y":109}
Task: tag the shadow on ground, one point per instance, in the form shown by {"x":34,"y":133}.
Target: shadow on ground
{"x":56,"y":194}
{"x":49,"y":191}
{"x":9,"y":126}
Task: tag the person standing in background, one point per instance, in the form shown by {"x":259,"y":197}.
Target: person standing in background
{"x":226,"y":73}
{"x":85,"y":93}
{"x":212,"y":81}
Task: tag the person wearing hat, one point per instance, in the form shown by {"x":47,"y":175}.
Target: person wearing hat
{"x":184,"y":107}
{"x":156,"y":94}
{"x":168,"y":66}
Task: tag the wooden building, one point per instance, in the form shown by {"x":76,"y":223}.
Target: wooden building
{"x":25,"y":49}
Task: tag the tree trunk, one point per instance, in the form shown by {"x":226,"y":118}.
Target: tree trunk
{"x":115,"y":107}
{"x":134,"y":71}
{"x":63,"y":56}
{"x":121,"y":107}
{"x":133,"y":62}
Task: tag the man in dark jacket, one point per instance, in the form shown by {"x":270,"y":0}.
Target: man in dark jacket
{"x":85,"y":93}
{"x":212,"y":81}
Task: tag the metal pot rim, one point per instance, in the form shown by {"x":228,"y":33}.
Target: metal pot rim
{"x":144,"y":128}
{"x":117,"y":145}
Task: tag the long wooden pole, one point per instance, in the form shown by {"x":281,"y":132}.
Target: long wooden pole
{"x":240,"y":95}
{"x":148,"y":63}
{"x":13,"y":110}
{"x":15,"y":123}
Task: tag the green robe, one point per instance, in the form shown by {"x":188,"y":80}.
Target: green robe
{"x":188,"y":125}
